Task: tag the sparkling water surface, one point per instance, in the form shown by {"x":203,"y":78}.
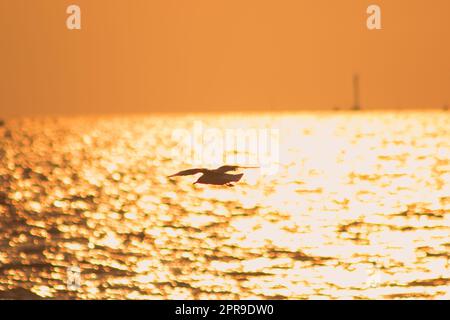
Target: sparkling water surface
{"x":359,"y":207}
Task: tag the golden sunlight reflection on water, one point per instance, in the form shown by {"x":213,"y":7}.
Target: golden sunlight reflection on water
{"x":359,"y":208}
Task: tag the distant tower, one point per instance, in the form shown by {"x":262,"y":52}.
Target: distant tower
{"x":356,"y":97}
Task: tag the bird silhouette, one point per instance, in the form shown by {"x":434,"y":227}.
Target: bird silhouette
{"x":217,"y":176}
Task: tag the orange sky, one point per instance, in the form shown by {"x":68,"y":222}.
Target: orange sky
{"x":214,"y":55}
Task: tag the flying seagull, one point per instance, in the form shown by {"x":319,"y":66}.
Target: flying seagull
{"x":217,"y":176}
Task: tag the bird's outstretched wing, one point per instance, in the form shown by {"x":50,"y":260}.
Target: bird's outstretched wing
{"x":224,"y":169}
{"x":188,"y":172}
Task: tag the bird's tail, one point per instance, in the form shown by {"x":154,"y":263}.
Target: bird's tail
{"x":237,"y":177}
